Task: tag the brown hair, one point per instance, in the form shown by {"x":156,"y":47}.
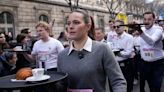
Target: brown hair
{"x":44,"y":25}
{"x":149,"y":12}
{"x":20,"y":37}
{"x":25,"y":30}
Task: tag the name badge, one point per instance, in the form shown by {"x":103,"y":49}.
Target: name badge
{"x":79,"y":90}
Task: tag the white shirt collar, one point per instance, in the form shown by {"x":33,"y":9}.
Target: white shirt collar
{"x":103,"y":40}
{"x":122,"y":35}
{"x":87,"y":46}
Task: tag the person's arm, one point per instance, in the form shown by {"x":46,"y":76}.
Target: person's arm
{"x":152,"y":39}
{"x":30,"y":58}
{"x":60,"y":46}
{"x":113,"y":71}
{"x":108,"y":38}
{"x":33,"y":55}
{"x":129,"y":48}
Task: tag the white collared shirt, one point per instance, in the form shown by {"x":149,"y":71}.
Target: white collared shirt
{"x":112,"y":35}
{"x":103,"y":40}
{"x":151,"y":44}
{"x":137,"y":42}
{"x":87,"y":46}
{"x":125,"y":42}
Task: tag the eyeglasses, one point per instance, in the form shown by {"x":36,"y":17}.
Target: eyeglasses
{"x":116,"y":27}
{"x":110,"y":21}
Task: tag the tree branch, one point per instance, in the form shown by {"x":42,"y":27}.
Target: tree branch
{"x":67,"y":1}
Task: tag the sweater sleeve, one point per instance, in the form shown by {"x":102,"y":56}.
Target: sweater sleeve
{"x":113,"y":71}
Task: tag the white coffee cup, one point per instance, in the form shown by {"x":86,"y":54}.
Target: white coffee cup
{"x":38,"y":72}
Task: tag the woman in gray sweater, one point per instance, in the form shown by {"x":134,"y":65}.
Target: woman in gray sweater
{"x":88,"y":62}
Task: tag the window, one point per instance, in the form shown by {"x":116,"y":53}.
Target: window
{"x":84,"y":0}
{"x":43,"y":18}
{"x":7,"y":22}
{"x":99,"y":2}
{"x":101,"y":22}
{"x":65,"y":21}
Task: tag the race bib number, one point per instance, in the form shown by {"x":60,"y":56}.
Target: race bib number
{"x":43,"y":57}
{"x":148,"y":53}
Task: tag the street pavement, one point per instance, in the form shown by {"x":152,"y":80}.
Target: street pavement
{"x":136,"y":87}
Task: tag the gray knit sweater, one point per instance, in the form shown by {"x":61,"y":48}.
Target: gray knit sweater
{"x":90,"y":72}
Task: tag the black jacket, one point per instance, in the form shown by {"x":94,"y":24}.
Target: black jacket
{"x":5,"y":68}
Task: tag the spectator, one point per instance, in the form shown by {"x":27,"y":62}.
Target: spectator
{"x":99,"y":35}
{"x":63,"y":39}
{"x":3,"y":43}
{"x":23,"y":60}
{"x":7,"y":63}
{"x":8,"y":36}
{"x":30,"y":39}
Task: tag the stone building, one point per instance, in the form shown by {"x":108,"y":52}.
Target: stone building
{"x":18,"y":14}
{"x":136,"y":8}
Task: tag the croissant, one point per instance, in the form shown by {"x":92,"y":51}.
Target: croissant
{"x":23,"y":73}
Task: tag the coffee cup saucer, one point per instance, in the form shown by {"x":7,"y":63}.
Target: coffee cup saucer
{"x":37,"y":79}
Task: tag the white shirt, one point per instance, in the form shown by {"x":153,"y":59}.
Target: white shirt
{"x":137,"y":42}
{"x":47,"y":52}
{"x":112,"y":35}
{"x":103,"y":40}
{"x":125,"y":42}
{"x":87,"y":46}
{"x":151,"y":44}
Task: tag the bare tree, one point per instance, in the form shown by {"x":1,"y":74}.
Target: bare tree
{"x":112,"y":6}
{"x":158,"y":7}
{"x":73,"y":4}
{"x":116,"y":6}
{"x":137,"y":6}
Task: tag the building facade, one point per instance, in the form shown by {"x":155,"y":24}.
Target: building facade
{"x":18,"y":14}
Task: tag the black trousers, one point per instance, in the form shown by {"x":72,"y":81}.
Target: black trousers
{"x":128,"y":72}
{"x":153,"y":73}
